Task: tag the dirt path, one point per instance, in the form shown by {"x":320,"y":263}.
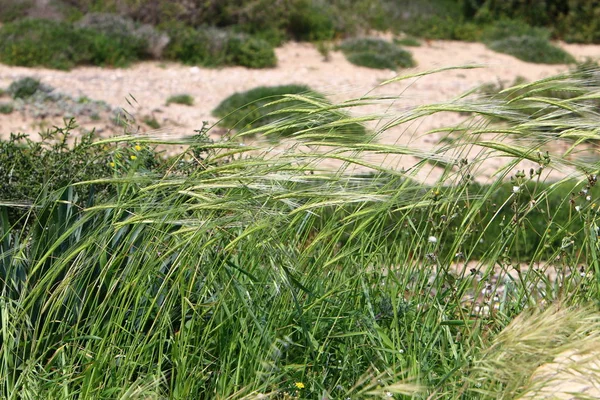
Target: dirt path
{"x":151,"y":83}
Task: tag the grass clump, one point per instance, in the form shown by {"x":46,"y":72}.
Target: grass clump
{"x":147,"y":36}
{"x":184,"y":99}
{"x":248,"y":111}
{"x":215,"y":47}
{"x":376,"y":53}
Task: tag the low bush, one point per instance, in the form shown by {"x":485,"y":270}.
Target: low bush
{"x":213,"y":47}
{"x":60,"y":45}
{"x":32,"y":43}
{"x":254,"y":108}
{"x":310,"y":21}
{"x":23,"y":88}
{"x":184,"y":99}
{"x":113,"y":25}
{"x":376,"y":53}
{"x":6,"y":108}
{"x":532,"y":49}
{"x":250,"y":52}
{"x":29,"y":169}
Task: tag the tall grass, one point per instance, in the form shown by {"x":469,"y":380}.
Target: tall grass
{"x":264,"y":276}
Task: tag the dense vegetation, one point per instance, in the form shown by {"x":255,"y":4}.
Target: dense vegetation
{"x":230,"y":272}
{"x":224,"y":32}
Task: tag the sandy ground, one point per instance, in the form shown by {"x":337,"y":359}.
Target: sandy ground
{"x":151,"y":83}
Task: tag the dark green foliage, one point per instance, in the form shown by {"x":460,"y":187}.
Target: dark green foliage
{"x":114,"y":25}
{"x":251,"y":109}
{"x":23,"y":88}
{"x":32,"y":169}
{"x":250,"y":52}
{"x":212,"y":47}
{"x":274,"y":21}
{"x":532,"y":49}
{"x":6,"y":108}
{"x":184,"y":99}
{"x":310,"y":22}
{"x":376,"y":53}
{"x":573,"y":20}
{"x":60,"y":45}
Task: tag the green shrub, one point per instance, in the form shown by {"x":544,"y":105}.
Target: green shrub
{"x":114,"y":50}
{"x":6,"y":108}
{"x":147,"y":37}
{"x":441,"y":28}
{"x":23,"y":88}
{"x":213,"y":47}
{"x":59,"y":45}
{"x":532,"y":49}
{"x":30,"y":168}
{"x":310,"y":22}
{"x":376,"y":53}
{"x":31,"y":43}
{"x":251,"y":109}
{"x":250,"y":52}
{"x":184,"y":99}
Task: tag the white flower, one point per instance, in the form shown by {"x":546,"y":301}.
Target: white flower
{"x":588,"y":198}
{"x":516,"y":189}
{"x":432,"y":239}
{"x":577,"y":208}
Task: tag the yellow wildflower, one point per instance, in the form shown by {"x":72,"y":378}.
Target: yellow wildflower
{"x":138,"y":147}
{"x":133,"y":157}
{"x":112,"y":164}
{"x":299,"y":385}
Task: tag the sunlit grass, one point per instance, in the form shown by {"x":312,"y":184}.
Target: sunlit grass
{"x":255,"y":274}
